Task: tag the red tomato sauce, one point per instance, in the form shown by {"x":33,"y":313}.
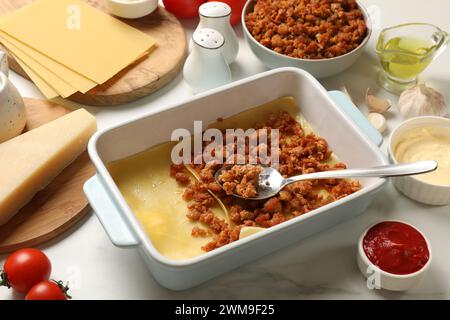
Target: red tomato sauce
{"x":396,"y":248}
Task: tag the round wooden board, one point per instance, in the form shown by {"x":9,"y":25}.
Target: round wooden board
{"x":143,"y":77}
{"x":60,"y":205}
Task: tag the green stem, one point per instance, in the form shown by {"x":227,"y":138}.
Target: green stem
{"x":4,"y":280}
{"x":64,"y":288}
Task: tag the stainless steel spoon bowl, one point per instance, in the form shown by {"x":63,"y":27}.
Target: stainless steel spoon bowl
{"x":271,"y":182}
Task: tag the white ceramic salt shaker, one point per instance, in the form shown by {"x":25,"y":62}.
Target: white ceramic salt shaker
{"x":12,"y":109}
{"x":206,"y":67}
{"x":216,"y":15}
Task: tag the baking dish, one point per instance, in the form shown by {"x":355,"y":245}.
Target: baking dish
{"x":355,"y":144}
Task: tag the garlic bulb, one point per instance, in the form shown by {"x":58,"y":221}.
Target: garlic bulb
{"x":422,"y":101}
{"x":378,"y":121}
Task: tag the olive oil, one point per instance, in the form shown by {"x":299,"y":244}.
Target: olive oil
{"x":404,"y":58}
{"x":405,"y":51}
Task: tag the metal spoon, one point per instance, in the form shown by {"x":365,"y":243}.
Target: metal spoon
{"x":271,"y":182}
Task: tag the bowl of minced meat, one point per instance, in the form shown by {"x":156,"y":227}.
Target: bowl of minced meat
{"x":323,"y":37}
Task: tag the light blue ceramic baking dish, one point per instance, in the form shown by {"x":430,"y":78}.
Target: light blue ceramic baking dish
{"x":330,"y":113}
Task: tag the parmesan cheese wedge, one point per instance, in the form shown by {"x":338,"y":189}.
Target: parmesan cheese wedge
{"x":29,"y":162}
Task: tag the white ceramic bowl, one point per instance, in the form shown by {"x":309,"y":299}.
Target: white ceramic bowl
{"x":321,"y":68}
{"x":390,"y":281}
{"x":412,"y":187}
{"x":131,"y":9}
{"x":152,"y":128}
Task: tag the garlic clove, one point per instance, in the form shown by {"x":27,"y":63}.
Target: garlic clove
{"x":422,"y":101}
{"x":378,"y":121}
{"x":345,"y":91}
{"x":377,"y":105}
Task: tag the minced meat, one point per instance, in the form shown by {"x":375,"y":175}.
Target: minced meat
{"x":299,"y":154}
{"x":308,"y":29}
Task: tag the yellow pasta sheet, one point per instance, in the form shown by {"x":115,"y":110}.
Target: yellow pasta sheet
{"x":78,"y":36}
{"x":31,"y":57}
{"x":45,"y":88}
{"x":63,"y":88}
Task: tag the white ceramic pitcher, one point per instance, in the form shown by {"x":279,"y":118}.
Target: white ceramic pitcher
{"x":12,"y":108}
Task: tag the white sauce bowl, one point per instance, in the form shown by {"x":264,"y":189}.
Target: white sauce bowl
{"x":131,"y":9}
{"x":411,"y":186}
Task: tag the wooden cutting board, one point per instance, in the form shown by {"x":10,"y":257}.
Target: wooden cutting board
{"x":60,"y":205}
{"x":143,"y":77}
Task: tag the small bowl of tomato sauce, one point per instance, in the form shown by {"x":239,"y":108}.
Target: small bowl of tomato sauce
{"x":393,"y":255}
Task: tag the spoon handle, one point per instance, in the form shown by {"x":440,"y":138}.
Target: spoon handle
{"x":383,"y":172}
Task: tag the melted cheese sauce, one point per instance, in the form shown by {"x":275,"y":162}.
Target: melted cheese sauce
{"x":427,"y":143}
{"x":156,"y":198}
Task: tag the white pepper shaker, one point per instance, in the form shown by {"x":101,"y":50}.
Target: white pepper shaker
{"x":216,"y":15}
{"x":206,"y":67}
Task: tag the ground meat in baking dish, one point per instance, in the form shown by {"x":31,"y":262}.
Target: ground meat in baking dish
{"x":308,"y":29}
{"x":199,"y":232}
{"x":179,"y":173}
{"x":241,"y":180}
{"x":300,"y":153}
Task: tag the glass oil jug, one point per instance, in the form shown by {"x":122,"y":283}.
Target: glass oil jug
{"x":405,"y":51}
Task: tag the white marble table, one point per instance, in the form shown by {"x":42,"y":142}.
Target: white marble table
{"x":321,"y":267}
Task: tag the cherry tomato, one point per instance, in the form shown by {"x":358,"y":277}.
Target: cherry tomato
{"x":24,"y":268}
{"x":236,"y":6}
{"x":48,"y":290}
{"x":183,"y":8}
